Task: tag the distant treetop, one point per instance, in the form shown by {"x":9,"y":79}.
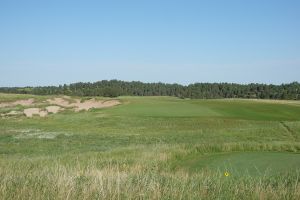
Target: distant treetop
{"x":114,"y":88}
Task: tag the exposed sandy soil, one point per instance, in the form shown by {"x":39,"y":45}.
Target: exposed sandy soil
{"x":58,"y":104}
{"x":92,"y":103}
{"x":53,"y":109}
{"x":86,"y":105}
{"x":59,"y":101}
{"x":26,"y":102}
{"x":29,"y":112}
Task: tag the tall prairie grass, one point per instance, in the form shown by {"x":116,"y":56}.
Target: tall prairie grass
{"x":42,"y":180}
{"x":135,"y":173}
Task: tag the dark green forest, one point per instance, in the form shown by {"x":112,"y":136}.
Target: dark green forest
{"x":114,"y":88}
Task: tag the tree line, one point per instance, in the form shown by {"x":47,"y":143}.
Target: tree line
{"x":114,"y":88}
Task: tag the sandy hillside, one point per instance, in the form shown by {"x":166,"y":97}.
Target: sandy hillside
{"x":57,"y":104}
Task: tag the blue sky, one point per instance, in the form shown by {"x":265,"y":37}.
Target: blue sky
{"x":55,"y":42}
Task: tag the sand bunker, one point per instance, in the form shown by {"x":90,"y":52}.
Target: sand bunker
{"x":29,"y":112}
{"x":53,"y":109}
{"x":58,"y":104}
{"x":26,"y":102}
{"x":86,"y":105}
{"x":59,"y":101}
{"x":92,"y":103}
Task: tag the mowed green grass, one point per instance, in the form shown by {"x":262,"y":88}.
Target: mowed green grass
{"x":244,"y":163}
{"x":160,"y":145}
{"x":240,"y":109}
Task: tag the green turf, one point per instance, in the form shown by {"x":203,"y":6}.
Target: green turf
{"x":240,"y":109}
{"x":244,"y":163}
{"x":155,"y":141}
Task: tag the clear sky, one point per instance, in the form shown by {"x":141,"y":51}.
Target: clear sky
{"x":56,"y":41}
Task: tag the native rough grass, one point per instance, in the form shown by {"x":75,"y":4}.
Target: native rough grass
{"x":150,"y":148}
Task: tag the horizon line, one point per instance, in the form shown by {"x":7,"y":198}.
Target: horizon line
{"x":149,"y":82}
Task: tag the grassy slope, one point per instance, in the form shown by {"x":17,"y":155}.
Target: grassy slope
{"x":158,"y":138}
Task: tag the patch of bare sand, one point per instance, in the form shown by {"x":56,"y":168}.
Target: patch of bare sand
{"x":53,"y":109}
{"x":59,"y":101}
{"x":24,"y":102}
{"x":29,"y":112}
{"x":86,"y":105}
{"x":92,"y":103}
